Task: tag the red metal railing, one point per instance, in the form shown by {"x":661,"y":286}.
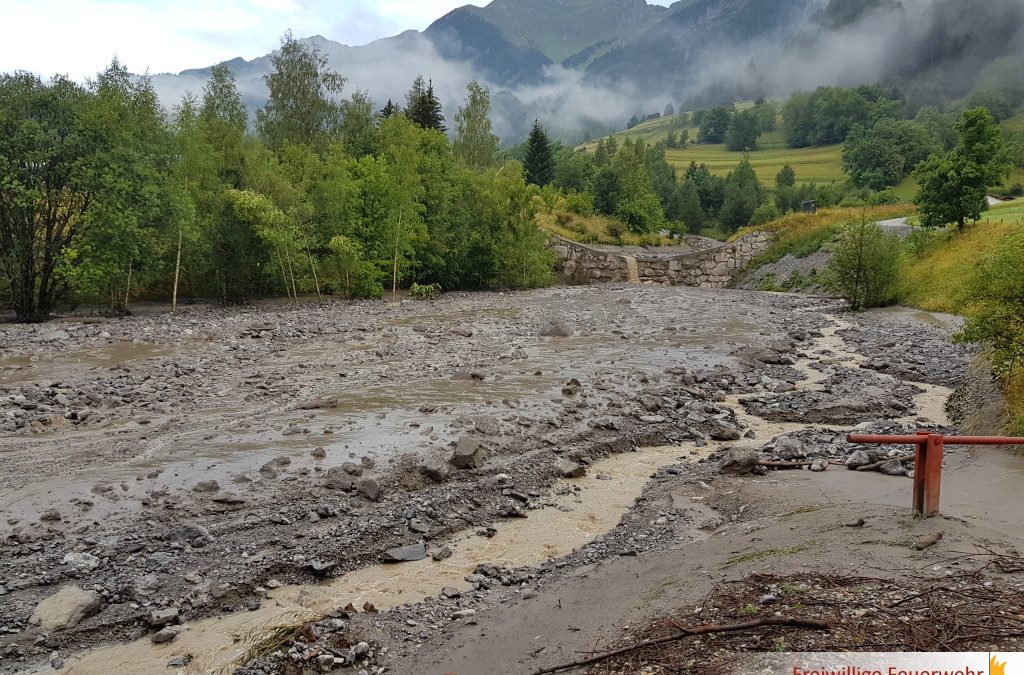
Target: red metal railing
{"x":928,"y":460}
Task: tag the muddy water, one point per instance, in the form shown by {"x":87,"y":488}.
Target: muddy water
{"x":548,"y":533}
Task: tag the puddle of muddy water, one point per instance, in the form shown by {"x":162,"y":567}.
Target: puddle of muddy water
{"x":547,"y":533}
{"x":62,"y":365}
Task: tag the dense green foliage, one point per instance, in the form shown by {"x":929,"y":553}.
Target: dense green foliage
{"x":539,"y":163}
{"x":865,"y":266}
{"x":954,"y":185}
{"x":102,"y":198}
{"x":995,"y":295}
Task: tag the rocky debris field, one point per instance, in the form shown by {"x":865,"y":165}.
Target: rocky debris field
{"x":160,"y":469}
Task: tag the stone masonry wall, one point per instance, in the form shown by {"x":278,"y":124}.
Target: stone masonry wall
{"x":713,"y":268}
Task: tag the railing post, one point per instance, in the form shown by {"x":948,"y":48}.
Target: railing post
{"x":920,"y":471}
{"x":933,"y":479}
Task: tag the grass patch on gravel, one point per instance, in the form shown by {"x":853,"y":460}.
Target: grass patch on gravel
{"x":768,"y":553}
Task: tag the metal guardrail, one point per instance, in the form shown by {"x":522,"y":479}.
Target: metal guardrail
{"x":928,"y":460}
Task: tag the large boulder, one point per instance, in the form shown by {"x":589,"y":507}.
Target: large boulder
{"x":339,"y":479}
{"x":66,"y":608}
{"x":410,"y":553}
{"x":739,"y":461}
{"x":467,"y":453}
{"x":569,"y":469}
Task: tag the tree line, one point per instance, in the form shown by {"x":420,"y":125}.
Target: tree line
{"x":105,"y":197}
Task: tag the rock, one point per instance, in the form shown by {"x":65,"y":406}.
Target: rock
{"x":418,"y":526}
{"x":319,"y":453}
{"x":569,"y":469}
{"x":556,"y":328}
{"x":370,"y":489}
{"x":410,"y":553}
{"x":712,"y":523}
{"x":650,"y":403}
{"x":467,"y":453}
{"x":724,"y":432}
{"x":318,"y":404}
{"x":488,"y":426}
{"x":206,"y":486}
{"x":180,"y":662}
{"x":738,"y":461}
{"x":819,"y":465}
{"x":463,"y":614}
{"x":337,"y":479}
{"x":352,"y":469}
{"x":50,"y":516}
{"x":66,"y":609}
{"x":82,"y":561}
{"x":166,"y":634}
{"x":163,"y":617}
{"x":893,"y":468}
{"x":196,"y":535}
{"x":442,"y":554}
{"x":450,"y":592}
{"x":434,"y":470}
{"x":462,"y":331}
{"x":857,"y":459}
{"x":859,"y":522}
{"x":229,"y":498}
{"x":788,"y":448}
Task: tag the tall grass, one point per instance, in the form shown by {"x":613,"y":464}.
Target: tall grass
{"x":934,"y":279}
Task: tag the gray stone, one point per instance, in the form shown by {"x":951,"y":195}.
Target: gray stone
{"x":162,"y":617}
{"x":738,"y":461}
{"x":82,"y":561}
{"x":556,"y":328}
{"x":338,"y":479}
{"x":166,"y":634}
{"x":857,"y":459}
{"x":352,"y":469}
{"x":437,"y":471}
{"x":819,"y":465}
{"x":65,"y":609}
{"x":569,"y":469}
{"x":724,"y":432}
{"x":401,"y":554}
{"x":443,"y":553}
{"x":206,"y":486}
{"x":229,"y":498}
{"x":196,"y":535}
{"x":370,"y":489}
{"x":893,"y":468}
{"x":488,"y":426}
{"x":789,"y":448}
{"x":467,"y":453}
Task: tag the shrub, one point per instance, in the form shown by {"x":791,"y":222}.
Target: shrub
{"x":580,"y":203}
{"x":995,"y":299}
{"x":425,"y":291}
{"x":765,"y":213}
{"x":865,"y":266}
{"x":615,"y":229}
{"x":563,"y":219}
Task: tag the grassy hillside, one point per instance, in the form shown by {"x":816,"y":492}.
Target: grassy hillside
{"x":936,"y":278}
{"x":933,"y":281}
{"x":817,"y":165}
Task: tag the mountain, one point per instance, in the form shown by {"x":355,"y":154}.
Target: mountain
{"x":561,"y":28}
{"x":577,"y":64}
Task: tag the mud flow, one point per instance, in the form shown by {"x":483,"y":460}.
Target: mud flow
{"x":246,"y":467}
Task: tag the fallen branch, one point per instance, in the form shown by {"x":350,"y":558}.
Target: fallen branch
{"x":875,"y":465}
{"x":930,"y":540}
{"x":782,"y":465}
{"x":688,"y":632}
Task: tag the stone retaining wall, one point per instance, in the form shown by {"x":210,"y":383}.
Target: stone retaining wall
{"x":713,"y":268}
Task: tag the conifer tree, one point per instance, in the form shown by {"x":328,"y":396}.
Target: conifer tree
{"x":422,"y":105}
{"x":540,"y":164}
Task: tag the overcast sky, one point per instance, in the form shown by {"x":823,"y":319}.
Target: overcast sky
{"x":79,"y":37}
